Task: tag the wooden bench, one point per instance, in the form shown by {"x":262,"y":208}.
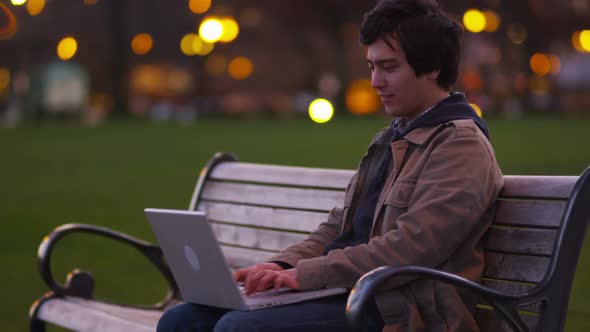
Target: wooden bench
{"x":256,"y":210}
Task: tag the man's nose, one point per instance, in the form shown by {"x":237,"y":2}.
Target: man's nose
{"x":376,"y":80}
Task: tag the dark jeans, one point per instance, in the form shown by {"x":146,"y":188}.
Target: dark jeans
{"x":327,"y":314}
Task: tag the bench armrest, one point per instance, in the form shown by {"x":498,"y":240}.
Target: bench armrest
{"x":367,"y":285}
{"x":81,"y":283}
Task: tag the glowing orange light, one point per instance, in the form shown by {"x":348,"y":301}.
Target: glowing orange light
{"x":361,"y":98}
{"x":142,"y":43}
{"x":492,"y":21}
{"x":240,"y":68}
{"x":199,"y":6}
{"x":540,"y":64}
{"x":35,"y":7}
{"x":472,"y":80}
{"x":576,"y":41}
{"x":9,"y":29}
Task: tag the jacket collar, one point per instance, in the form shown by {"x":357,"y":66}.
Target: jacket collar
{"x":419,"y":136}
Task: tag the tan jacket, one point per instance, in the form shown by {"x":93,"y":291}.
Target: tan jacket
{"x":435,"y":206}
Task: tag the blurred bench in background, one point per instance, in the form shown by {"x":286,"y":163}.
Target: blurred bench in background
{"x":256,"y":210}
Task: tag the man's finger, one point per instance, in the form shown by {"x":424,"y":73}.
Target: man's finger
{"x":266,"y":281}
{"x":253,"y":279}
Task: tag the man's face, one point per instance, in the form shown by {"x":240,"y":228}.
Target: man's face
{"x":402,"y":93}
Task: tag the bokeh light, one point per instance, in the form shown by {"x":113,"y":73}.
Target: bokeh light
{"x":240,"y":68}
{"x":4,"y":78}
{"x":576,"y":41}
{"x":540,"y":64}
{"x":477,"y":109}
{"x":361,"y":98}
{"x":492,"y":21}
{"x":201,"y":47}
{"x":186,"y":43}
{"x":215,"y":64}
{"x":67,"y":48}
{"x":472,"y":80}
{"x":211,"y":30}
{"x":555,"y":64}
{"x":18,"y":2}
{"x":585,"y":40}
{"x":142,"y":43}
{"x":474,"y":20}
{"x":321,"y":110}
{"x":199,"y":6}
{"x":8,"y":29}
{"x":230,"y":30}
{"x":35,"y":7}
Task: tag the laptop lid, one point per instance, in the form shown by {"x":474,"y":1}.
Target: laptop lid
{"x":195,"y":258}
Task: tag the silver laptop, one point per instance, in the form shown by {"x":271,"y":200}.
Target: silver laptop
{"x":200,"y":269}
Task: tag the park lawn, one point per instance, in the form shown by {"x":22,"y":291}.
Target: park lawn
{"x":61,"y":173}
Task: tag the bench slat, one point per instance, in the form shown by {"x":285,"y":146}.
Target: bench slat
{"x":554,"y":187}
{"x":296,"y":198}
{"x":241,"y":257}
{"x":284,"y":175}
{"x":520,"y":240}
{"x":291,"y":220}
{"x":86,"y":315}
{"x":512,"y":288}
{"x":489,"y":321}
{"x":255,"y":238}
{"x":515,"y":267}
{"x":529,"y":213}
{"x":507,"y":287}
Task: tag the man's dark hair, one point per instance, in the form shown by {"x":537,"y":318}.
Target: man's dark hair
{"x":429,"y":37}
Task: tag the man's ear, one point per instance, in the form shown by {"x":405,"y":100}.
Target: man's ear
{"x":433,"y":75}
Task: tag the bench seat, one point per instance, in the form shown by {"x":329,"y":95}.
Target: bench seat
{"x":256,"y":210}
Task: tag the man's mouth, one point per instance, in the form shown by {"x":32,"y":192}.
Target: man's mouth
{"x":386,"y":96}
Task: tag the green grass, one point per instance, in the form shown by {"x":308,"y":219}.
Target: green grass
{"x":55,"y":174}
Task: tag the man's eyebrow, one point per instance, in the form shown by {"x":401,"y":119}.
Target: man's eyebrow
{"x":382,"y":61}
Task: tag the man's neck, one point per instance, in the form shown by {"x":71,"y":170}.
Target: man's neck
{"x":432,"y":101}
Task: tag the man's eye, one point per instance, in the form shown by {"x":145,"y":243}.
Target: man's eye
{"x":389,"y":68}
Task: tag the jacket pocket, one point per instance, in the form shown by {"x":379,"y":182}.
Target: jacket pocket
{"x":400,"y":194}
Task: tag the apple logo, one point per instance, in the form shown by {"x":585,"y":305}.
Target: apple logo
{"x":192,"y":258}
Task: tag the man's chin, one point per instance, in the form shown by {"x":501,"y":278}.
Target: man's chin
{"x":392,"y":111}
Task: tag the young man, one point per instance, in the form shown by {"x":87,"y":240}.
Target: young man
{"x":423,"y":195}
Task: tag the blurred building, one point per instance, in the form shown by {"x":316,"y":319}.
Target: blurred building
{"x":148,"y":57}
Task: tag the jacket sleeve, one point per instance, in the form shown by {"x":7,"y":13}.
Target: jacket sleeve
{"x":457,"y":185}
{"x":314,"y":245}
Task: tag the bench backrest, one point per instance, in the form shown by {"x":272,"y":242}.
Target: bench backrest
{"x":257,"y":210}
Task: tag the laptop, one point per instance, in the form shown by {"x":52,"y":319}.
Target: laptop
{"x":200,"y":269}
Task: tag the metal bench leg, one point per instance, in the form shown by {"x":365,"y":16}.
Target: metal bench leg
{"x":35,"y":324}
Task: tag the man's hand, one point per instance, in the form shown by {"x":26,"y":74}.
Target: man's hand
{"x":263,"y":276}
{"x":248,"y":274}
